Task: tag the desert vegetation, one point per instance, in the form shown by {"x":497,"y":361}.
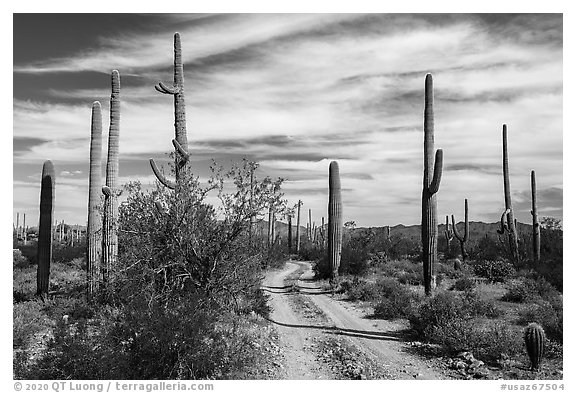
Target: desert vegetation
{"x":165,"y":282}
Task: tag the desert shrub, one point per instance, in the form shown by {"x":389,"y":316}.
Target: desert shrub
{"x":404,"y":247}
{"x":361,"y":290}
{"x":395,"y":300}
{"x":464,"y":284}
{"x":489,"y":248}
{"x":65,"y":253}
{"x":354,"y":258}
{"x":494,"y":270}
{"x":19,"y":260}
{"x":29,"y":251}
{"x":398,"y":267}
{"x":311,"y":252}
{"x":486,"y":342}
{"x":322,"y":268}
{"x":186,"y":340}
{"x":446,"y":308}
{"x":548,"y":314}
{"x":526,"y":289}
{"x":28,"y":320}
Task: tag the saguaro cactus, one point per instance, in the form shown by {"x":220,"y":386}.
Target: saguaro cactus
{"x":289,"y":233}
{"x":462,"y":239}
{"x":431,"y":184}
{"x":181,"y":141}
{"x":47,"y":194}
{"x":334,"y":219}
{"x":448,"y":234}
{"x":310,"y":224}
{"x":111,"y":190}
{"x":535,"y":223}
{"x":534,"y":339}
{"x":94,"y":227}
{"x":298,"y":227}
{"x":508,"y":223}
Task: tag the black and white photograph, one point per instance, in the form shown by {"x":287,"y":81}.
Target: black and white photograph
{"x":287,"y":196}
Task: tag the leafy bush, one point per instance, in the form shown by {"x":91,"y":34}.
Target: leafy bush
{"x":464,"y":284}
{"x":526,"y":289}
{"x":395,"y":300}
{"x":494,"y":270}
{"x":18,"y":260}
{"x":549,"y":315}
{"x":361,"y":290}
{"x":28,"y":320}
{"x":447,"y":308}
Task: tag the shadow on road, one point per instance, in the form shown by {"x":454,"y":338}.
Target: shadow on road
{"x":389,"y":336}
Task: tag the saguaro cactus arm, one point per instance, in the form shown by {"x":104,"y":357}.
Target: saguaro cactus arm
{"x":161,"y":178}
{"x":435,"y":184}
{"x":162,"y":88}
{"x":503,"y":224}
{"x":466,"y":225}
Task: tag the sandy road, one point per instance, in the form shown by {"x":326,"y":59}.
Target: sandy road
{"x":377,"y":340}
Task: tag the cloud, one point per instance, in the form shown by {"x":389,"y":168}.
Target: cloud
{"x":297,"y":91}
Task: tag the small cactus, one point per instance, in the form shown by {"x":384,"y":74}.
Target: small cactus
{"x":534,"y":338}
{"x":334,"y":219}
{"x":47,"y":191}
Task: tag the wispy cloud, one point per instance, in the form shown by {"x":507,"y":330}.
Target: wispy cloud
{"x":296,"y":91}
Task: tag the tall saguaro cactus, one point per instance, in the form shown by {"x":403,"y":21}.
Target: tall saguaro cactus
{"x":181,"y":141}
{"x":298,"y":227}
{"x":94,"y":227}
{"x":334,"y":219}
{"x":508,"y":223}
{"x":47,"y":194}
{"x":462,"y":239}
{"x":289,"y":233}
{"x":535,"y":223}
{"x":111,"y":190}
{"x":431,"y":184}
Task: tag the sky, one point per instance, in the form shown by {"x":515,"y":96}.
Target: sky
{"x":295,"y":92}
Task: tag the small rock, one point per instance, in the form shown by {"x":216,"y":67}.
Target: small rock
{"x":481,"y":373}
{"x":460,"y":365}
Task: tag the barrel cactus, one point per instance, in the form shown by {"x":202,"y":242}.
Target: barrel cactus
{"x":94,"y":227}
{"x":431,"y":185}
{"x":181,"y":141}
{"x":534,"y":338}
{"x":334,"y":219}
{"x":44,"y":252}
{"x":111,"y":190}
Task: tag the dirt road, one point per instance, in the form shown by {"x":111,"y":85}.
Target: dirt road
{"x":324,"y":338}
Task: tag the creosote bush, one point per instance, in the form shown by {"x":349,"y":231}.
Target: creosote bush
{"x":495,"y":271}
